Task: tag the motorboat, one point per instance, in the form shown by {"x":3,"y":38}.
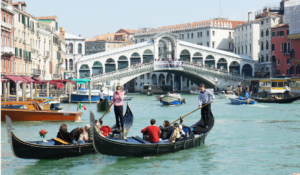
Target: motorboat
{"x":244,"y":101}
{"x":227,"y":94}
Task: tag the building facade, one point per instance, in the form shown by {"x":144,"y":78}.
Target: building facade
{"x":75,"y":49}
{"x":110,"y":41}
{"x":7,"y":37}
{"x":246,"y":38}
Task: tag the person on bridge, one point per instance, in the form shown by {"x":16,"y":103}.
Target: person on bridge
{"x":118,"y":98}
{"x":203,"y":99}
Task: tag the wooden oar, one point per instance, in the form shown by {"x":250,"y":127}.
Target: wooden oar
{"x":189,"y":113}
{"x":106,"y":111}
{"x":291,"y":94}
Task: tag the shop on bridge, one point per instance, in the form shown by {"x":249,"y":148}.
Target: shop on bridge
{"x":97,"y":68}
{"x":110,"y":65}
{"x":122,"y":62}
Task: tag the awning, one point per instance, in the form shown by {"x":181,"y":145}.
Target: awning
{"x":63,"y":81}
{"x":28,"y":78}
{"x":16,"y":78}
{"x":81,"y":81}
{"x":2,"y":79}
{"x":37,"y":79}
{"x":57,"y":84}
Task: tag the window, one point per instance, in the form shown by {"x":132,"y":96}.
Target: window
{"x":245,"y":49}
{"x":213,"y":33}
{"x":262,"y":58}
{"x":273,"y":34}
{"x":262,"y":33}
{"x":188,"y":35}
{"x":287,"y":32}
{"x":182,"y":36}
{"x":288,"y":61}
{"x":192,"y":35}
{"x":267,"y":45}
{"x":267,"y":20}
{"x":267,"y":32}
{"x":262,"y":46}
{"x":281,"y":48}
{"x":267,"y":58}
{"x":250,"y":48}
{"x":80,"y":48}
{"x":288,"y":71}
{"x":273,"y":47}
{"x":213,"y":45}
{"x":200,"y":34}
{"x":87,"y":47}
{"x":135,"y":41}
{"x":278,"y":61}
{"x":229,"y":34}
{"x":207,"y":44}
{"x":277,"y":72}
{"x":207,"y":33}
{"x":262,"y":22}
{"x":278,"y":33}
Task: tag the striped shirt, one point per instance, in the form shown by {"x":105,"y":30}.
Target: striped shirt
{"x":204,"y":97}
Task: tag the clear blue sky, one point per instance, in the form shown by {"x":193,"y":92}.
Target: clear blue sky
{"x":94,"y":17}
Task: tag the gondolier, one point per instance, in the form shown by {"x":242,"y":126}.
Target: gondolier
{"x":204,"y":98}
{"x":287,"y":91}
{"x":118,"y":98}
{"x":101,"y":95}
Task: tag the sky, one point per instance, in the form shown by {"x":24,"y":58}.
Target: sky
{"x":95,"y":17}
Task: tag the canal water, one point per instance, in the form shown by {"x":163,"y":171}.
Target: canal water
{"x":257,"y":139}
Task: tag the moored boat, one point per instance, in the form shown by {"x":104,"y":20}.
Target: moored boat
{"x":237,"y":101}
{"x":31,"y":111}
{"x":227,"y":94}
{"x":47,"y":150}
{"x":136,"y":146}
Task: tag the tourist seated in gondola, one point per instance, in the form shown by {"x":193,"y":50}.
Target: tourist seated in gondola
{"x":104,"y":129}
{"x":91,"y":131}
{"x":152,"y":131}
{"x":64,"y":135}
{"x":176,"y":133}
{"x":76,"y":134}
{"x":86,"y":133}
{"x":246,"y":95}
{"x":165,"y":130}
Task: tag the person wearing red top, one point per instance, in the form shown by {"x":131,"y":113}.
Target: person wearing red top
{"x":118,"y":107}
{"x":153,"y":132}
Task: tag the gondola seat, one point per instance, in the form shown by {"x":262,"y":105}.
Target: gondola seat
{"x":185,"y":129}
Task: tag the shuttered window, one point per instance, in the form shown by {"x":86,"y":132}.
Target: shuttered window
{"x":16,"y":51}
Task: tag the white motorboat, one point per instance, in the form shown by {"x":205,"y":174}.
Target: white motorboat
{"x":227,"y":94}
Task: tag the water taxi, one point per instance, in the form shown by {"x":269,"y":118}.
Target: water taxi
{"x":32,"y":111}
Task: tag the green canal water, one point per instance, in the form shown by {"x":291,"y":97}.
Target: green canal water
{"x":257,"y":139}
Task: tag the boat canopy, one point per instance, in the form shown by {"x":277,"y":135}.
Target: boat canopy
{"x":63,"y":81}
{"x":81,"y":81}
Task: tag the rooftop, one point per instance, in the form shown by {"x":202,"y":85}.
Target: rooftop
{"x":21,"y":2}
{"x":282,"y":25}
{"x":47,"y":17}
{"x":70,"y":36}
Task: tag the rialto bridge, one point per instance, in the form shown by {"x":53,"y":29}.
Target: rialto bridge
{"x":199,"y":64}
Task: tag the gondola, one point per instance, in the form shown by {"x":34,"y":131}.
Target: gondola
{"x":103,"y":106}
{"x":136,"y":146}
{"x":285,"y":100}
{"x":42,"y":150}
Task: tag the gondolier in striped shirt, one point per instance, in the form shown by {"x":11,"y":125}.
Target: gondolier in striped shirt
{"x":204,"y":98}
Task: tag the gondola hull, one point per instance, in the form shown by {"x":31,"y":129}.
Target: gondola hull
{"x":41,"y":150}
{"x":287,"y":100}
{"x":137,"y":147}
{"x":103,"y":106}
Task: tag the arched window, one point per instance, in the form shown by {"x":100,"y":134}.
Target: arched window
{"x":262,"y":59}
{"x":267,"y":32}
{"x":71,"y":48}
{"x":71,"y":64}
{"x":66,"y":64}
{"x":242,"y":49}
{"x":262,"y":33}
{"x":267,"y":58}
{"x":292,"y":70}
{"x":298,"y":69}
{"x":262,"y":46}
{"x":79,"y":48}
{"x":267,"y":45}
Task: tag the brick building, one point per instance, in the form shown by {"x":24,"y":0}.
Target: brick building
{"x":7,"y":37}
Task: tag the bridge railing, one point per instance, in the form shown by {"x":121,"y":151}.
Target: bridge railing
{"x":186,"y":64}
{"x":214,"y":70}
{"x":120,"y":71}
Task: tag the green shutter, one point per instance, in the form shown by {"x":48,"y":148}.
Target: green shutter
{"x":21,"y":53}
{"x":29,"y":56}
{"x":16,"y":52}
{"x":24,"y":56}
{"x":28,"y":22}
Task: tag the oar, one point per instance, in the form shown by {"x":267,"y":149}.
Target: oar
{"x":189,"y":113}
{"x":106,"y":110}
{"x":291,"y":94}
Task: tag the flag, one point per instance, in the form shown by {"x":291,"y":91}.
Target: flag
{"x":81,"y":106}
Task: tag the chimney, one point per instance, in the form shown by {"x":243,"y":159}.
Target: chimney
{"x":249,"y":16}
{"x":79,"y":35}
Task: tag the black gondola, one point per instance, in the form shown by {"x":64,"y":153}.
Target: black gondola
{"x":103,"y":106}
{"x":41,"y":150}
{"x":272,"y":100}
{"x":138,"y":147}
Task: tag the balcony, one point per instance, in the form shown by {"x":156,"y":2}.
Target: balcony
{"x":286,"y":52}
{"x":7,"y":51}
{"x":6,"y":25}
{"x":36,"y":71}
{"x":24,"y":41}
{"x":46,"y":54}
{"x":16,"y":38}
{"x":33,"y":50}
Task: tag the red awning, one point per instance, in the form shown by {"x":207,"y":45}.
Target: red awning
{"x":28,"y":78}
{"x":37,"y":79}
{"x":16,"y":78}
{"x":57,"y":84}
{"x":2,"y":79}
{"x":63,"y":81}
